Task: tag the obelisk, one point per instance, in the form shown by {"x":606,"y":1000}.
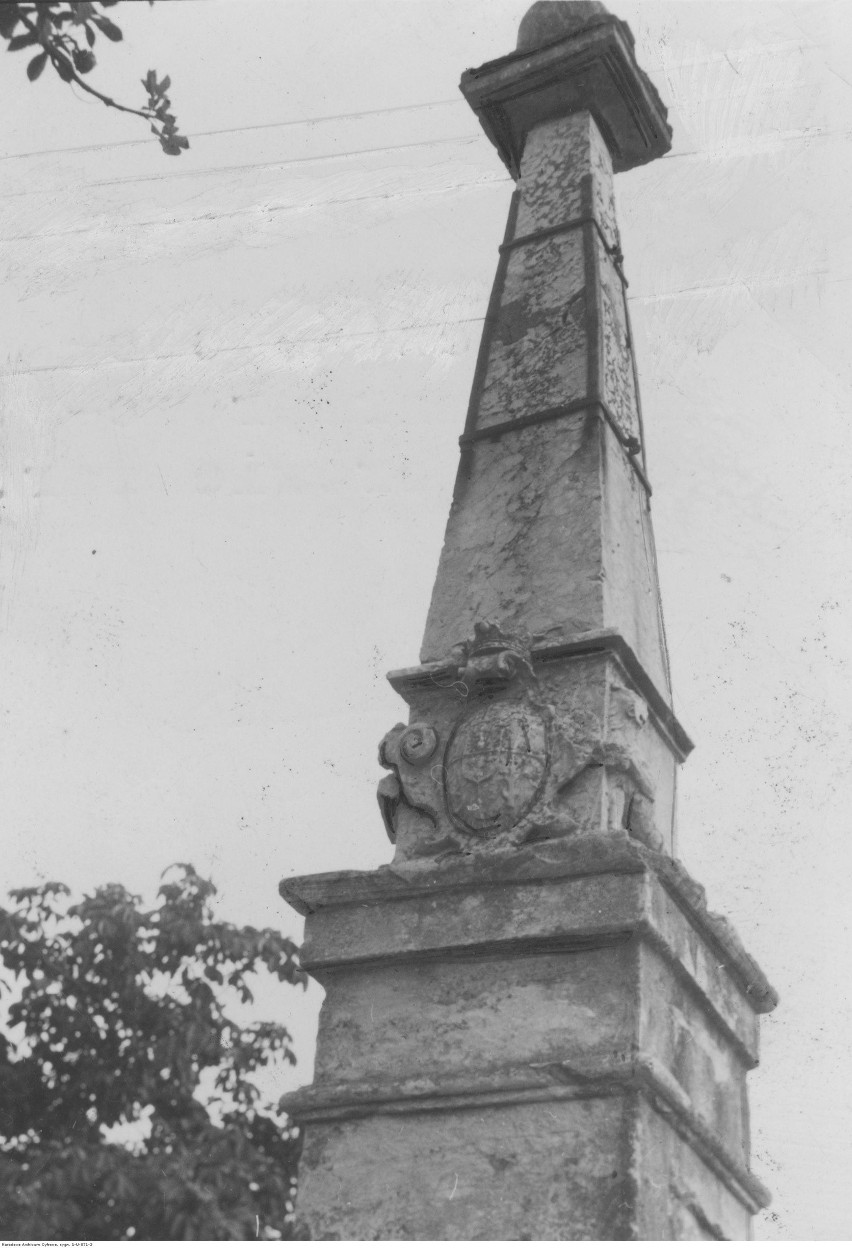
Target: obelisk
{"x":533,"y":1027}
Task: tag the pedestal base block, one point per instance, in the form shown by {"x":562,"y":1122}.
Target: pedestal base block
{"x":546,"y":1045}
{"x":494,"y":1172}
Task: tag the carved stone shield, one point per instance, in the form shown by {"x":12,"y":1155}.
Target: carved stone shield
{"x":495,"y":766}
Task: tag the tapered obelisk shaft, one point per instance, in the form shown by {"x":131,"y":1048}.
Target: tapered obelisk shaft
{"x":533,"y":1027}
{"x":550,"y":530}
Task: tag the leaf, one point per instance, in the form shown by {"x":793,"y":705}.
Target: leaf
{"x":36,"y":65}
{"x":8,"y":20}
{"x":22,"y":41}
{"x":109,"y":28}
{"x":62,"y":68}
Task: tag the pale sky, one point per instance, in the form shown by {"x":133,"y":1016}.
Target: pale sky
{"x":232,"y":388}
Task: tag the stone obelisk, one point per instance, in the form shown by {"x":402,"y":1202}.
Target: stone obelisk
{"x":533,"y":1027}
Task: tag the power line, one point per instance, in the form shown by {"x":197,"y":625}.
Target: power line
{"x":264,"y":164}
{"x":476,"y":137}
{"x":265,"y":125}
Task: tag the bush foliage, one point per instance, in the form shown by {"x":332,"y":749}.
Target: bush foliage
{"x":117,"y":1015}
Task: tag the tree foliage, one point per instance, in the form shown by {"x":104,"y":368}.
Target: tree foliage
{"x":117,"y":1015}
{"x":65,"y":32}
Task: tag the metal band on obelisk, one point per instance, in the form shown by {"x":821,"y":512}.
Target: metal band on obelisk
{"x":533,"y":1026}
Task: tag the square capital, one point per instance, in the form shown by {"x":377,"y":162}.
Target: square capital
{"x":592,"y":71}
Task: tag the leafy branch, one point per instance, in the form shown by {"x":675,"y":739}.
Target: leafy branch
{"x":66,"y":32}
{"x":118,"y":1015}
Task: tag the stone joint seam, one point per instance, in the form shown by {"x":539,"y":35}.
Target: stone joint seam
{"x":660,"y":945}
{"x":671,"y":1102}
{"x":632,"y":859}
{"x":606,"y":937}
{"x":438,"y":675}
{"x":691,"y":1202}
{"x":612,"y":643}
{"x":610,"y":1076}
{"x":737,"y":960}
{"x":552,"y":231}
{"x":630,"y":446}
{"x":587,"y":941}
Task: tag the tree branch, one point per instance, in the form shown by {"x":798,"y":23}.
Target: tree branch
{"x":69,"y":73}
{"x":146,"y":114}
{"x":55,"y":45}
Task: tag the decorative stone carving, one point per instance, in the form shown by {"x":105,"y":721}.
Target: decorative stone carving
{"x":494,"y":658}
{"x":409,"y":798}
{"x":418,"y":743}
{"x":514,"y":757}
{"x":495,"y":766}
{"x":406,"y":748}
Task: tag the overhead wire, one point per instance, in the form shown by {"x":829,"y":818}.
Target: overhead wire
{"x":263,"y":164}
{"x":473,"y":137}
{"x":263,"y":125}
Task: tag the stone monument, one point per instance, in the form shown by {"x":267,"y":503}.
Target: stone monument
{"x":533,"y":1026}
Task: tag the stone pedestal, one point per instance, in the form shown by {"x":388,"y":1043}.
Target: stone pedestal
{"x":550,"y":1047}
{"x":533,"y":1027}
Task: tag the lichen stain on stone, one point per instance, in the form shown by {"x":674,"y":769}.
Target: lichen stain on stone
{"x":538,"y":352}
{"x":555,"y":162}
{"x":515,"y":322}
{"x":603,"y":191}
{"x":523,"y":542}
{"x":495,"y":765}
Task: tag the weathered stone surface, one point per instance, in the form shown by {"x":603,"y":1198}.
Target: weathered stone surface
{"x":376,"y":1016}
{"x":541,"y":751}
{"x":534,"y":1028}
{"x":539,"y":351}
{"x":631,"y":596}
{"x":580,"y":983}
{"x":550,"y":529}
{"x":618,"y":382}
{"x":678,"y":1195}
{"x":495,"y":766}
{"x":693,"y":1044}
{"x":566,"y":174}
{"x":523,"y":542}
{"x":591,"y":69}
{"x":544,"y":1171}
{"x":561,"y":895}
{"x":549,"y":20}
{"x":546,"y":339}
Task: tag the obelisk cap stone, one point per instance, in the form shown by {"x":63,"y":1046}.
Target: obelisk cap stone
{"x":571,"y":58}
{"x":550,"y":20}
